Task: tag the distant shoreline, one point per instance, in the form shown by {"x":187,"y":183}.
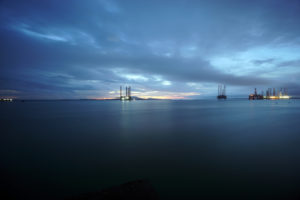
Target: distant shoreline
{"x":139,"y":99}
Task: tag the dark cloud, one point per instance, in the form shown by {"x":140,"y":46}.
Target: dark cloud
{"x":290,"y":63}
{"x":259,"y":62}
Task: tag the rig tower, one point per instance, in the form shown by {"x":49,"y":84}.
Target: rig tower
{"x":221,"y":92}
{"x":127,"y":97}
{"x":256,"y":96}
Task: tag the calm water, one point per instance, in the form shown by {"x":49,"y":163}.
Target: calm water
{"x":187,"y":149}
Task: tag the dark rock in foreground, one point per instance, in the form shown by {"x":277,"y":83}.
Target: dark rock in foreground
{"x":140,"y":189}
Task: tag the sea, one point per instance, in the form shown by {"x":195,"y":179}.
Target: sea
{"x":186,"y":149}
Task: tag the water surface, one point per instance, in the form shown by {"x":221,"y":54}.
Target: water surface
{"x":187,"y":149}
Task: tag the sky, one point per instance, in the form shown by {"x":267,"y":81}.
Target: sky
{"x":163,"y":49}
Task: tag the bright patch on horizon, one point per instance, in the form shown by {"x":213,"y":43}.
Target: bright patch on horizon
{"x":165,"y":95}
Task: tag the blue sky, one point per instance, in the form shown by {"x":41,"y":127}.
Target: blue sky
{"x":165,"y":49}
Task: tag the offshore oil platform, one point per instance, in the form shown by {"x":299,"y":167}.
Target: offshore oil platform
{"x":270,"y":94}
{"x":221,"y":92}
{"x":256,"y":96}
{"x":127,"y":97}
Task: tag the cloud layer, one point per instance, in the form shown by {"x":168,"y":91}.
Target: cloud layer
{"x":176,"y":49}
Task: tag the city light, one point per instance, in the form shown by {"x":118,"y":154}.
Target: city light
{"x":6,"y":99}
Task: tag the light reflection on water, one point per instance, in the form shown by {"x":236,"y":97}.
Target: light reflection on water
{"x":200,"y":149}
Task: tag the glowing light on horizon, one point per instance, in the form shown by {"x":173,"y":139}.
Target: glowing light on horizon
{"x":6,"y":99}
{"x":105,"y":98}
{"x":278,"y":97}
{"x":284,"y":97}
{"x":162,"y":97}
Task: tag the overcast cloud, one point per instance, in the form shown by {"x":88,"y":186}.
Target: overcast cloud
{"x":167,"y":49}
